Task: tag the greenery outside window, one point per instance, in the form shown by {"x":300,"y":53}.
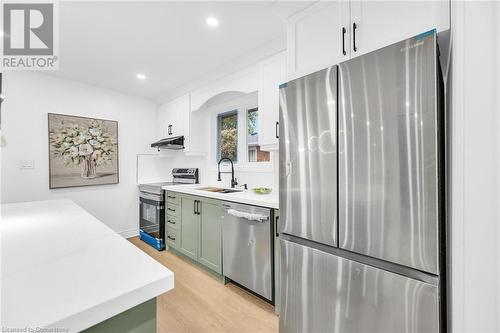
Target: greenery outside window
{"x":253,"y":147}
{"x":227,"y":135}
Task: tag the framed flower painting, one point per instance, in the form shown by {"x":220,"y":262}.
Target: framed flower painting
{"x":82,"y":151}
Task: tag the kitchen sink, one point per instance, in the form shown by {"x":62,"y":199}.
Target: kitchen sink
{"x":219,"y":189}
{"x":228,"y":190}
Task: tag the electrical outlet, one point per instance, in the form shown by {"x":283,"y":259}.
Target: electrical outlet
{"x":26,"y":164}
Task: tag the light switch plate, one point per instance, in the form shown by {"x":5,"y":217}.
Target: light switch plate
{"x":26,"y":164}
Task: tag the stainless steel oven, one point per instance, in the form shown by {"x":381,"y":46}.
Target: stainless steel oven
{"x":152,"y":206}
{"x":152,"y":217}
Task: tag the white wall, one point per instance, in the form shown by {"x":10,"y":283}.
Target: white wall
{"x":475,"y":161}
{"x":28,"y":99}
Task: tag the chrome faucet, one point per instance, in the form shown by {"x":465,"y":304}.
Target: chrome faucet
{"x":233,"y":180}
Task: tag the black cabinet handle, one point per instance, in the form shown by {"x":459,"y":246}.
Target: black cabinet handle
{"x":277,"y":130}
{"x":198,"y":212}
{"x":169,"y":129}
{"x":171,"y":197}
{"x":172,"y":239}
{"x":276,"y":226}
{"x":343,"y":40}
{"x":194,"y":207}
{"x":354,"y":27}
{"x":170,"y":209}
{"x":171,"y":222}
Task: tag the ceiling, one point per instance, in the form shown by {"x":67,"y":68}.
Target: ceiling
{"x":108,"y":43}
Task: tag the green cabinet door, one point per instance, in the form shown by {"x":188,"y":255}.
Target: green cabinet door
{"x":188,"y":244}
{"x":210,"y":246}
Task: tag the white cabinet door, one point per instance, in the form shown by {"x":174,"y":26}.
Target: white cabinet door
{"x":315,"y":38}
{"x":272,"y":74}
{"x":382,"y":23}
{"x":173,"y":117}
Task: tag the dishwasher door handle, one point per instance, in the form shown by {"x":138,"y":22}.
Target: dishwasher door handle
{"x":248,"y":216}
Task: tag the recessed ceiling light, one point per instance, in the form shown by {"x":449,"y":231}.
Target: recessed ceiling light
{"x":212,"y":22}
{"x":141,"y":76}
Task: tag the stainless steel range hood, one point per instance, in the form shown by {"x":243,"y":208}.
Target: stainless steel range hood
{"x":174,"y":143}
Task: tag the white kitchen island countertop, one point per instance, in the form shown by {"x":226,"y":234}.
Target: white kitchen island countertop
{"x":63,"y":268}
{"x":246,"y":197}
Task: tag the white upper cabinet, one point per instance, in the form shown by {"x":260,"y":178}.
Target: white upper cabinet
{"x":381,"y":23}
{"x":173,"y":117}
{"x":272,"y":73}
{"x":315,"y":37}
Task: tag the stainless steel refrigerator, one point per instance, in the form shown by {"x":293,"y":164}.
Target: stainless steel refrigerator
{"x":362,"y":194}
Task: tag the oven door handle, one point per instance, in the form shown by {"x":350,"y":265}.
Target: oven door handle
{"x":152,"y":197}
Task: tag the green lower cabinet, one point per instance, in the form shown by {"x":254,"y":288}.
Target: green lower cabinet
{"x":210,"y":244}
{"x":172,"y":238}
{"x":199,"y":231}
{"x":139,"y":319}
{"x":189,"y":228}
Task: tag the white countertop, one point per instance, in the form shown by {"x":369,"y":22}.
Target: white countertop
{"x":63,"y":268}
{"x":246,"y":197}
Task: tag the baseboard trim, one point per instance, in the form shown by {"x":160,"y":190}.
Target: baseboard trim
{"x":129,"y":233}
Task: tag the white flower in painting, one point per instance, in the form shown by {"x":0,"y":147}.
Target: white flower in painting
{"x":95,"y":131}
{"x":68,"y":139}
{"x":100,"y":139}
{"x":66,"y":144}
{"x":95,"y":143}
{"x":79,"y":139}
{"x":85,"y":149}
{"x":73,"y":151}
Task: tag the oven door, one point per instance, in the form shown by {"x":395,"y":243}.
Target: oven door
{"x":152,"y":219}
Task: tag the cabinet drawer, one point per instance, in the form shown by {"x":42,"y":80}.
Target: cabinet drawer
{"x":173,"y":198}
{"x":171,"y":238}
{"x":172,"y":222}
{"x":173,"y":210}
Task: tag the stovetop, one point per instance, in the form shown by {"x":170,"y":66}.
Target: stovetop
{"x":179,"y":177}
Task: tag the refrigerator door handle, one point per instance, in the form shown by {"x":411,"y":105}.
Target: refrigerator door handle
{"x":343,"y":40}
{"x":276,"y":226}
{"x":354,"y":27}
{"x":277,"y":130}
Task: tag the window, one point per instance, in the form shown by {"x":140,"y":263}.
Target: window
{"x":254,"y":152}
{"x":227,"y":134}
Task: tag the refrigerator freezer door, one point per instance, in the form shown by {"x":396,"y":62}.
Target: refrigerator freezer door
{"x":388,"y":154}
{"x":321,"y":292}
{"x":308,"y":157}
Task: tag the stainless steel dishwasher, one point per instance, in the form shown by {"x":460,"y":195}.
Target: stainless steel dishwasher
{"x":247,"y":255}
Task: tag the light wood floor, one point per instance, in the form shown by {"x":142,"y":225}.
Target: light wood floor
{"x":201,"y":303}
